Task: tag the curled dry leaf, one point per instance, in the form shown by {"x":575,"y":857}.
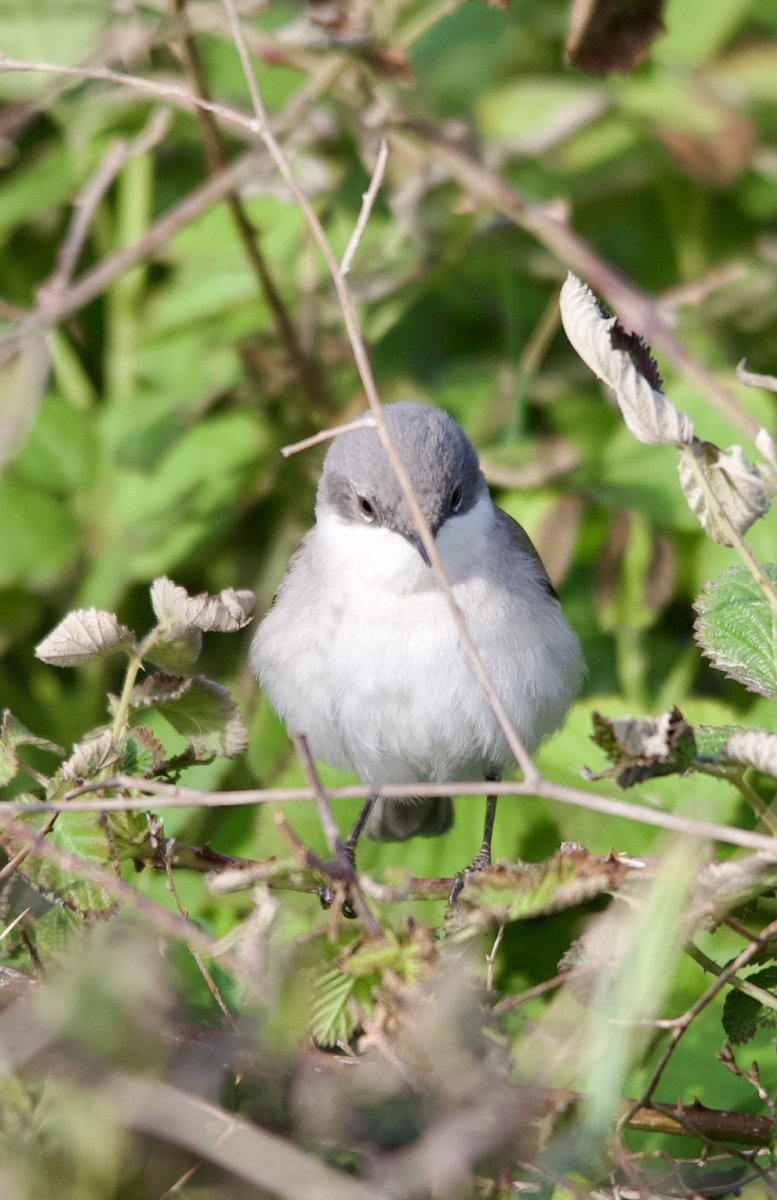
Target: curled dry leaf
{"x":623,"y":361}
{"x":224,"y":613}
{"x":645,"y":747}
{"x":753,"y":748}
{"x":736,"y":488}
{"x":753,"y":379}
{"x":767,"y":447}
{"x":84,"y":635}
{"x":90,"y":756}
{"x":721,"y":886}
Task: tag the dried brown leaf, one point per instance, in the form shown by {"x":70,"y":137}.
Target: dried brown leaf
{"x":736,"y":486}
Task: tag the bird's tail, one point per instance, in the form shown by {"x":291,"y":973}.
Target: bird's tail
{"x":397,"y":820}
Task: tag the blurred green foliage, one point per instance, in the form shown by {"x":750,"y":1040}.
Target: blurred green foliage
{"x":152,"y":445}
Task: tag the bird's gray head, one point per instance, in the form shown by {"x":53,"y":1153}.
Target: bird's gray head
{"x":359,"y":484}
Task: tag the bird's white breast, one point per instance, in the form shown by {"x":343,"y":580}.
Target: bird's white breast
{"x":360,"y":652}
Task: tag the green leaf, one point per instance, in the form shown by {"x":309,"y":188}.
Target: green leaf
{"x":41,"y":536}
{"x":330,"y":1020}
{"x":13,"y":734}
{"x":140,"y":751}
{"x":737,"y":629}
{"x":511,"y":892}
{"x":744,"y":1015}
{"x":207,"y":716}
{"x":177,"y":649}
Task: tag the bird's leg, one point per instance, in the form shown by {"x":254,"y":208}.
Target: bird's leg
{"x":483,"y":857}
{"x":348,"y":851}
{"x":358,"y":827}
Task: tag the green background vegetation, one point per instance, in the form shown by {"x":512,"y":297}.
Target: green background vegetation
{"x":155,"y":443}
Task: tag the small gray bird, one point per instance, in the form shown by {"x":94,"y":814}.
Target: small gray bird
{"x":359,"y":651}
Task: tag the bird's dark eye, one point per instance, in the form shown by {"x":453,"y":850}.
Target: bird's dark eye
{"x":366,"y":508}
{"x":457,"y":495}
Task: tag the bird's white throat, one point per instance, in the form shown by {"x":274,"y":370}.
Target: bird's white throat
{"x":384,"y":557}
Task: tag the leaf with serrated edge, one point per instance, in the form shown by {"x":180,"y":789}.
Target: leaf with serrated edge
{"x":597,"y":339}
{"x":736,"y":485}
{"x":159,"y":687}
{"x":84,"y":635}
{"x":228,"y":611}
{"x":737,"y":630}
{"x":207,"y":716}
{"x":141,"y":751}
{"x":753,"y":748}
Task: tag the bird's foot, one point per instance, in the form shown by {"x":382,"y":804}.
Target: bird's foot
{"x":480,"y":862}
{"x":343,"y":872}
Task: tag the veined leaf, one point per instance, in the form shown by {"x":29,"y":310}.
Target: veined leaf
{"x":737,"y":629}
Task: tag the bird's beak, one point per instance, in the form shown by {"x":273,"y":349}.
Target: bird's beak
{"x":415,"y":540}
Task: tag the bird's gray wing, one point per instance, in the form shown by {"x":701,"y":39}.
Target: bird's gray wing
{"x":516,"y":538}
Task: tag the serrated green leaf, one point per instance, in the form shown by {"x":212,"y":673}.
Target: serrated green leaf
{"x":82,"y":835}
{"x":737,"y":629}
{"x":511,"y":892}
{"x":409,"y":959}
{"x":330,"y":1019}
{"x":744,"y":1015}
{"x":140,"y":751}
{"x":207,"y":716}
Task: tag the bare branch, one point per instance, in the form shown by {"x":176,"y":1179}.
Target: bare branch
{"x":174,"y":796}
{"x":368,"y":203}
{"x":327,"y":434}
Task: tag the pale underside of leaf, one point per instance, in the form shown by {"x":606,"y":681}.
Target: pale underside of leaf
{"x":736,"y":486}
{"x":83,"y":636}
{"x":224,"y":613}
{"x":646,"y":411}
{"x":754,"y":748}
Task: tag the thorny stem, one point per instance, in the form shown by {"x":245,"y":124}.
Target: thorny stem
{"x":684,"y":1022}
{"x":740,"y":985}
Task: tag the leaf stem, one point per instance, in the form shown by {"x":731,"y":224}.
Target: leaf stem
{"x":757,"y":573}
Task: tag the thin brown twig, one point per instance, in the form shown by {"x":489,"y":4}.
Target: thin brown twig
{"x":684,"y":1022}
{"x":368,"y":203}
{"x":86,"y":204}
{"x":174,"y":796}
{"x":342,"y":867}
{"x":210,"y":982}
{"x":262,"y":128}
{"x":304,"y":367}
{"x":161,"y":918}
{"x":326,"y":435}
{"x":545,"y":223}
{"x":93,"y":282}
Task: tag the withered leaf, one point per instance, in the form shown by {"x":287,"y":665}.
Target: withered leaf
{"x":736,"y":486}
{"x":224,"y":613}
{"x":645,"y":747}
{"x":623,"y":361}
